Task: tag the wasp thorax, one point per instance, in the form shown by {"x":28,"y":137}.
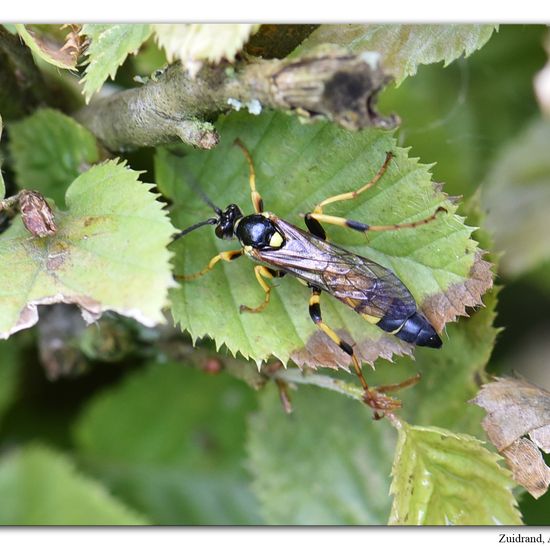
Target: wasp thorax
{"x":259,"y":232}
{"x":226,"y":224}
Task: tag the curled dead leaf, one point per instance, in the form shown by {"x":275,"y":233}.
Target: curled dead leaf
{"x":36,"y":214}
{"x":515,"y":408}
{"x":54,"y":47}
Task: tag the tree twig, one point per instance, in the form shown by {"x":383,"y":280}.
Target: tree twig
{"x":333,"y":85}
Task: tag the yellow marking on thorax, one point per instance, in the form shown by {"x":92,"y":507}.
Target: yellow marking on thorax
{"x":276,"y":240}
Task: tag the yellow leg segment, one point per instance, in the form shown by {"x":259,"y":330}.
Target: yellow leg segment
{"x":257,"y":201}
{"x":225,"y":256}
{"x":261,"y":272}
{"x":352,"y":194}
{"x":359,"y":226}
{"x":315,"y":314}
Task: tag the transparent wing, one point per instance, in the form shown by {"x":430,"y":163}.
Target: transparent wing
{"x":362,"y":284}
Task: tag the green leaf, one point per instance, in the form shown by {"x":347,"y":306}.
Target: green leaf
{"x":516,"y":194}
{"x":109,"y":253}
{"x":194,"y":42}
{"x":170,"y":440}
{"x":326,"y":464}
{"x":109,"y":47}
{"x":49,"y":150}
{"x":443,"y":478}
{"x":40,"y":486}
{"x":404,"y":47}
{"x":44,"y":45}
{"x":298,"y":166}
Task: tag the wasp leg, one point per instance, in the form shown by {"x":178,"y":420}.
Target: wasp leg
{"x":227,"y":256}
{"x":257,"y":200}
{"x":364,"y":227}
{"x":352,"y":194}
{"x":411,"y":381}
{"x":317,"y":318}
{"x":262,"y":273}
{"x":315,"y":227}
{"x":373,"y":397}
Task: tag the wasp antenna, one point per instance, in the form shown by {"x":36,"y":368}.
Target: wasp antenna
{"x":195,"y":186}
{"x":209,"y":221}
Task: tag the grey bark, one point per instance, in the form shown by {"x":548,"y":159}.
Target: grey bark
{"x":333,"y":86}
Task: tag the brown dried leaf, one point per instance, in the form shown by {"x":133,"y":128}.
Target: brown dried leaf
{"x":47,"y":46}
{"x":528,"y":466}
{"x":36,"y":214}
{"x":516,"y":408}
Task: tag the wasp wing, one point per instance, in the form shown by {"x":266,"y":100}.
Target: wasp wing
{"x":360,"y":283}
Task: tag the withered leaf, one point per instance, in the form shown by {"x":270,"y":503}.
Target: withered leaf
{"x":36,"y":214}
{"x":516,"y":408}
{"x":52,"y":44}
{"x":528,"y":466}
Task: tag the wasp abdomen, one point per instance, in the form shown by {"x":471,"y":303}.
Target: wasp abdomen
{"x":415,"y":330}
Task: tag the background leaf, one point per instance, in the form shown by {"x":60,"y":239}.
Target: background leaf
{"x":10,"y":366}
{"x":326,"y":465}
{"x":404,"y":47}
{"x":41,"y":487}
{"x":295,"y":172}
{"x":49,"y":150}
{"x":175,"y":451}
{"x":516,"y":194}
{"x":2,"y":184}
{"x":193,"y":42}
{"x":109,"y":47}
{"x":101,"y":258}
{"x":444,"y":113}
{"x":443,"y":478}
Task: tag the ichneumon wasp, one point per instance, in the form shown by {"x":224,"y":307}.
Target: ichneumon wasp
{"x":280,"y":248}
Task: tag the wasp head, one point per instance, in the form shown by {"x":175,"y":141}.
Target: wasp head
{"x":226,"y":222}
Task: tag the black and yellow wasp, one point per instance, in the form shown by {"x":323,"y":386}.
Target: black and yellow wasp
{"x":280,"y":248}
